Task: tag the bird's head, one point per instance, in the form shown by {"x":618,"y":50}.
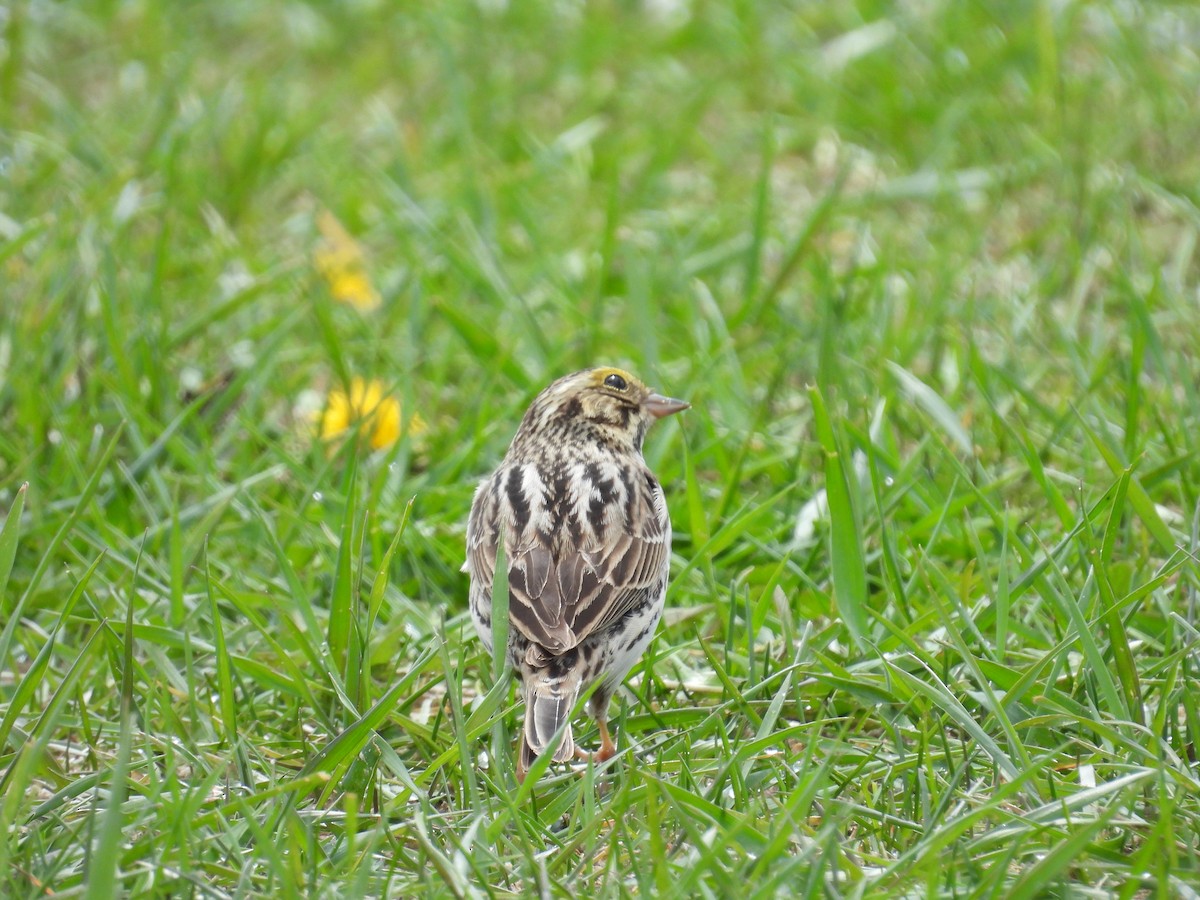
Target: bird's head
{"x":603,"y":404}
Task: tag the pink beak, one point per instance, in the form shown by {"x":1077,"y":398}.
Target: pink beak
{"x":660,"y":406}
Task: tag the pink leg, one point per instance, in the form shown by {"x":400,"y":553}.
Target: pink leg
{"x":608,"y":747}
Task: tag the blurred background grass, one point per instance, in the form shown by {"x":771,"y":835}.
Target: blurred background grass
{"x":971,"y":226}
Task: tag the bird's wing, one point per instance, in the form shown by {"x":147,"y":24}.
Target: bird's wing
{"x":577,"y":572}
{"x":481,"y":535}
{"x":513,"y":502}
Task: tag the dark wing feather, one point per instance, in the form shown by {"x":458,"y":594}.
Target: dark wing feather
{"x":640,"y":570}
{"x":589,"y":587}
{"x":570,"y":573}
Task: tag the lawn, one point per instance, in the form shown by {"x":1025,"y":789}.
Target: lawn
{"x":927,"y":273}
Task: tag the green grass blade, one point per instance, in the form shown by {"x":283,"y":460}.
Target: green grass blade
{"x":379,"y":585}
{"x":10,"y":536}
{"x":350,"y":741}
{"x":1114,"y":625}
{"x":458,"y":721}
{"x":1142,"y":504}
{"x":68,"y":524}
{"x":319,"y":654}
{"x":1053,"y":864}
{"x":934,"y":690}
{"x":225,"y":696}
{"x":103,"y":866}
{"x":697,"y":520}
{"x":341,"y":597}
{"x":32,"y":679}
{"x":845,"y":541}
{"x":934,"y":406}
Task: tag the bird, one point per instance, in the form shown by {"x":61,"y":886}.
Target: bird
{"x":587,"y":540}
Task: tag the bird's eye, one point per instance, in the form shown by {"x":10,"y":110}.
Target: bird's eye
{"x":616,"y":381}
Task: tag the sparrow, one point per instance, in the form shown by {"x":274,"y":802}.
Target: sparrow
{"x":587,"y":540}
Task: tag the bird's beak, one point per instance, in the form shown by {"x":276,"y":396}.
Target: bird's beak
{"x":660,"y":406}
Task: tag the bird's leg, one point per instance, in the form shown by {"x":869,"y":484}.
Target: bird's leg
{"x":608,"y":748}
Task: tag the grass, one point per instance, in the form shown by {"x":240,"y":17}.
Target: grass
{"x":927,"y":274}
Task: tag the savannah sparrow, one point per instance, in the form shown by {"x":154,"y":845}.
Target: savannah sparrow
{"x":588,"y":544}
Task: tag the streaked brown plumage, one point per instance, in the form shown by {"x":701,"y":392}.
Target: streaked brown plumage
{"x":588,"y":544}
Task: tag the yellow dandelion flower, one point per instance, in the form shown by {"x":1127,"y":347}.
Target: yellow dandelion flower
{"x":342,"y":264}
{"x":377,"y":414}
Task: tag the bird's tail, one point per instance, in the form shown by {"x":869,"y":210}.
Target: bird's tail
{"x":548,"y":705}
